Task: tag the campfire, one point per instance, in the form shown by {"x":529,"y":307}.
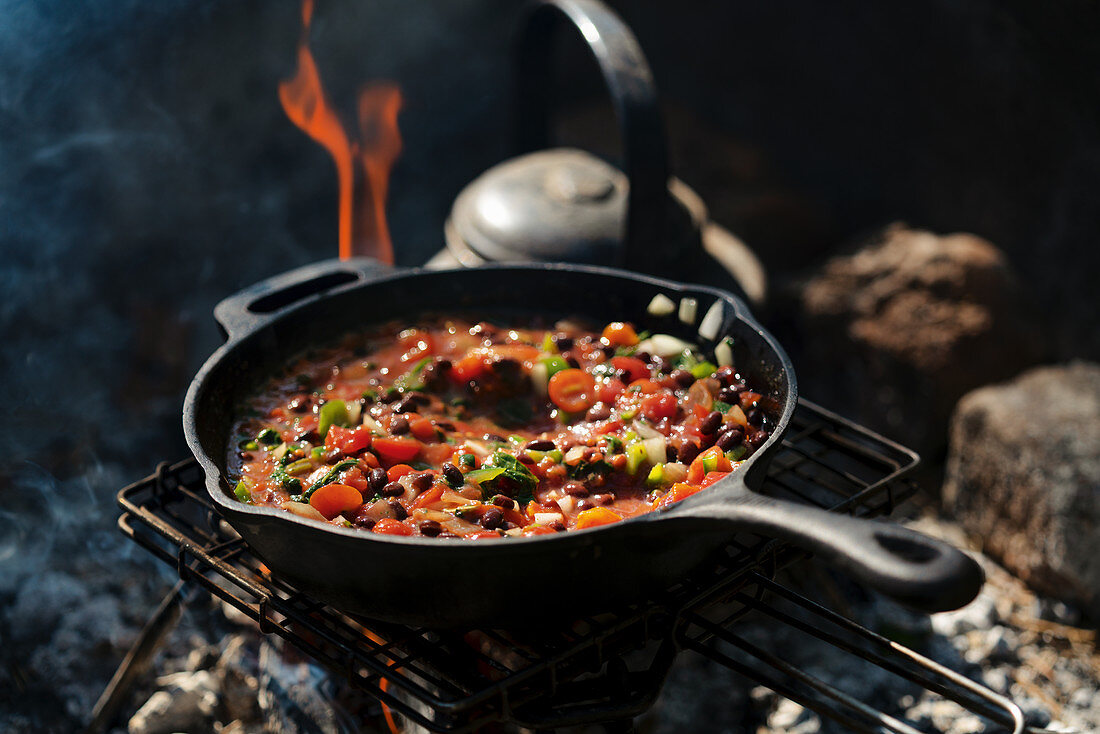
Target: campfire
{"x":918,"y":251}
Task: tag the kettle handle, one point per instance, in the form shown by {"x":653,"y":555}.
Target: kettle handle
{"x":630,"y":83}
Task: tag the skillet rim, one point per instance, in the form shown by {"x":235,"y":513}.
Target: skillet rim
{"x":217,"y":486}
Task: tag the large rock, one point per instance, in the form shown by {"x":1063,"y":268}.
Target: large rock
{"x":1024,"y":475}
{"x":897,"y":332}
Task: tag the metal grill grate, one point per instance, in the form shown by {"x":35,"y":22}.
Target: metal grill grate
{"x":458,"y":681}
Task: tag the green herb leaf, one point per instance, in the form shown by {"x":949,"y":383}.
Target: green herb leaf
{"x":585,"y":470}
{"x":721,"y":407}
{"x":331,"y":475}
{"x":269,"y":437}
{"x":516,"y":480}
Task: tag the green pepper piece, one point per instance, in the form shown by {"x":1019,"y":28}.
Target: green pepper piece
{"x":332,"y":413}
{"x":243,"y":491}
{"x":269,"y":437}
{"x":656,"y":475}
{"x":736,"y":453}
{"x":703,"y":369}
{"x":477,"y":476}
{"x":635,"y":455}
{"x":554,"y":365}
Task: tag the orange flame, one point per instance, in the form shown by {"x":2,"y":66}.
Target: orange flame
{"x":363,"y":165}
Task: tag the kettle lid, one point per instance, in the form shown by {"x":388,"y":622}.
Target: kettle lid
{"x":562,"y":205}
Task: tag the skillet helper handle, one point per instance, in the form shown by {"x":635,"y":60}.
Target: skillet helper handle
{"x":629,"y":81}
{"x":910,"y":567}
{"x":249,"y":309}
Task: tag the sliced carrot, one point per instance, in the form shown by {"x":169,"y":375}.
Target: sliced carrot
{"x":332,"y":499}
{"x":422,"y":428}
{"x":679,"y":491}
{"x":397,"y":471}
{"x":572,"y":390}
{"x":389,"y":526}
{"x":428,"y":497}
{"x":596,"y":516}
{"x":619,"y":334}
{"x":396,"y":450}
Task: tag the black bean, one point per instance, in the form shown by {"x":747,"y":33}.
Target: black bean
{"x":393,"y":489}
{"x":575,"y":489}
{"x":446,"y":426}
{"x":727,"y":441}
{"x":659,"y":364}
{"x":376,"y":480}
{"x":557,"y":526}
{"x":756,"y":417}
{"x":366,"y":523}
{"x":503,"y":502}
{"x":687,"y":452}
{"x":494,"y":437}
{"x":492,"y":519}
{"x":421,"y":482}
{"x":757,"y":439}
{"x":431,"y":528}
{"x":683,"y":378}
{"x":390,"y":395}
{"x":728,"y":395}
{"x":734,"y":431}
{"x":300,"y":404}
{"x":725,"y":374}
{"x":399,"y":510}
{"x":604,"y":499}
{"x":598,"y":412}
{"x":406,"y":404}
{"x":245,"y":456}
{"x":710,"y":423}
{"x":671,"y":454}
{"x":453,"y":475}
{"x":399,"y":425}
{"x":563,"y":343}
{"x":572,"y":362}
{"x":644,"y":356}
{"x":542,"y":444}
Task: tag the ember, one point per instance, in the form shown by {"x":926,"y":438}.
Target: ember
{"x":362,"y":165}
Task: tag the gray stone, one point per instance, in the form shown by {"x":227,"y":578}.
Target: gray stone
{"x":1024,"y":475}
{"x":186,"y":702}
{"x":903,"y":328}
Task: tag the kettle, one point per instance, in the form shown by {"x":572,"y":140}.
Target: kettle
{"x":568,"y":205}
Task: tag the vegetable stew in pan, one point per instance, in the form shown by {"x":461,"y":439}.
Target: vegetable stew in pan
{"x":462,"y":429}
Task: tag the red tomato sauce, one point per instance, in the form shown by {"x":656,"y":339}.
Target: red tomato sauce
{"x":472,"y":430}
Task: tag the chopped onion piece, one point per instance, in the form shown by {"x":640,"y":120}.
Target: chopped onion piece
{"x":712,"y":321}
{"x":372,"y":424}
{"x":301,"y":509}
{"x":477,"y":448}
{"x":354,"y":409}
{"x":675,"y":472}
{"x":279,"y":452}
{"x":724,"y":352}
{"x":688,"y":307}
{"x":661,"y":305}
{"x":514,"y":532}
{"x":655,"y":449}
{"x":645,"y":430}
{"x":663,"y":345}
{"x":540,"y":377}
{"x":575,"y":454}
{"x":547,"y":518}
{"x":567,"y":503}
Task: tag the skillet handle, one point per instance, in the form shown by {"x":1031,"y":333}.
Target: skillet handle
{"x":258,"y":304}
{"x":910,"y":567}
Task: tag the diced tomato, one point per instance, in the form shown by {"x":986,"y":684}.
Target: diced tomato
{"x":482,"y":535}
{"x":533,"y":507}
{"x":428,"y":497}
{"x":659,"y":405}
{"x":332,"y":499}
{"x":609,"y":427}
{"x":397,"y":471}
{"x":608,"y":391}
{"x":696,"y":472}
{"x":645,"y":386}
{"x":596,"y":516}
{"x":416,"y":344}
{"x":679,"y":491}
{"x":572,"y":390}
{"x":369,"y":460}
{"x":634,"y":368}
{"x":619,"y":334}
{"x":538,"y":530}
{"x":348,"y":440}
{"x":354,"y":478}
{"x":470,"y":367}
{"x":422,"y":428}
{"x":435,"y":453}
{"x":515,"y":516}
{"x":713,"y":457}
{"x":748,"y":399}
{"x":396,"y":450}
{"x":389,"y":526}
{"x":711,"y":478}
{"x":699,"y":411}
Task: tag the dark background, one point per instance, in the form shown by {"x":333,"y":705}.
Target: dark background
{"x":147,"y":170}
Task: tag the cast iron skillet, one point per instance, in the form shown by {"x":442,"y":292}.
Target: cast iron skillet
{"x":441,"y":583}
